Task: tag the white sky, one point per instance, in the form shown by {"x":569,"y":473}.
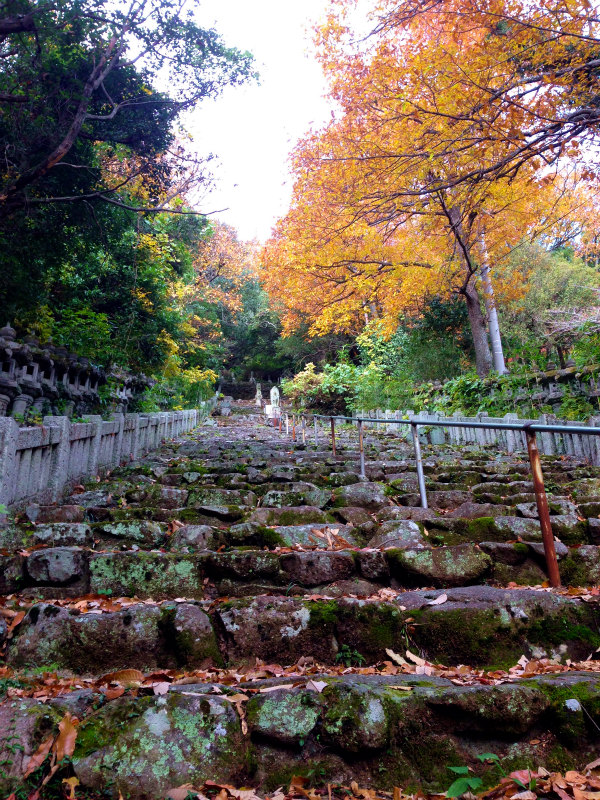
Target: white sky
{"x":252,"y":129}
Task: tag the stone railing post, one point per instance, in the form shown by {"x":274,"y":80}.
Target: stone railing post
{"x":9,"y":431}
{"x":135,"y":437}
{"x":117,"y":455}
{"x":59,"y":463}
{"x":94,"y":456}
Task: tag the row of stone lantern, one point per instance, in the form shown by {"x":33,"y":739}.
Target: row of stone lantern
{"x":46,"y":379}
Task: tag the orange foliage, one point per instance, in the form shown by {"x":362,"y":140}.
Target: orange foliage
{"x":401,"y":194}
{"x":222,"y":265}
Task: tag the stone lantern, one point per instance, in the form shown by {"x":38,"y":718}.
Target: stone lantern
{"x":9,"y":386}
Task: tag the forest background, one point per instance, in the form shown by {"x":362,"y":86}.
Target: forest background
{"x":443,"y":226}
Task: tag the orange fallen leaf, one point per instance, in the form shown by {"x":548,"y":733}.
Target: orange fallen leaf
{"x":127,"y":677}
{"x":38,"y":758}
{"x":65,"y":742}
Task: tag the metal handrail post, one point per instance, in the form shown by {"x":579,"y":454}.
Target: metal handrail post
{"x":419,"y":462}
{"x":361,"y":447}
{"x":542,"y":507}
{"x":303,"y":430}
{"x":294,"y":428}
{"x":333,"y":435}
{"x":287,"y":424}
{"x":316,"y":432}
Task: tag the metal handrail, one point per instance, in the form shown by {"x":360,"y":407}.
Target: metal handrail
{"x":528,"y":428}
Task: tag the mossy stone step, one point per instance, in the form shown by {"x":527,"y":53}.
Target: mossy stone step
{"x":381,"y":730}
{"x":482,"y":626}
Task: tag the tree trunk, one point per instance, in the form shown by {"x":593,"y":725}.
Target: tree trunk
{"x":483,"y":356}
{"x":493,"y":324}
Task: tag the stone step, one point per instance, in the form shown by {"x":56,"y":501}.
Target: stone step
{"x":72,"y":571}
{"x":380,"y":730}
{"x":477,"y":625}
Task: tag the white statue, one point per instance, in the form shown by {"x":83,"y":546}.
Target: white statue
{"x":275,"y":396}
{"x":259,"y":398}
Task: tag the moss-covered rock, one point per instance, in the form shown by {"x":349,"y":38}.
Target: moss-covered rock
{"x":501,"y":710}
{"x":295,"y":494}
{"x":287,"y":716}
{"x":442,"y":566}
{"x":142,"y":747}
{"x":143,"y":532}
{"x":203,"y":496}
{"x":24,"y":725}
{"x":86,"y":643}
{"x":364,"y":495}
{"x":289,"y":516}
{"x":357,"y":717}
{"x":139,"y":574}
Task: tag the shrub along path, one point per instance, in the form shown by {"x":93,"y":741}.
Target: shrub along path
{"x":239,"y":608}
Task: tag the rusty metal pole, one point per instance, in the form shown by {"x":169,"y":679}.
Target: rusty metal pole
{"x":303,"y":430}
{"x":280,"y":422}
{"x":332,"y":435}
{"x":419,"y":463}
{"x":316,"y":432}
{"x":542,"y":507}
{"x":361,"y":447}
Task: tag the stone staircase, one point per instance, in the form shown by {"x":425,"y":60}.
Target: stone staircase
{"x":242,"y":608}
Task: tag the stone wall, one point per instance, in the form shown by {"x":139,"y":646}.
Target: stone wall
{"x":39,"y":463}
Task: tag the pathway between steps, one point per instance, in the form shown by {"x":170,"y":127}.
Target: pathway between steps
{"x":242,"y":608}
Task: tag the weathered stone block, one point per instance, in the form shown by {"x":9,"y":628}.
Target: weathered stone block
{"x":150,"y":745}
{"x":314,"y":568}
{"x":139,"y":574}
{"x":363,"y":495}
{"x":58,"y":566}
{"x":442,"y":566}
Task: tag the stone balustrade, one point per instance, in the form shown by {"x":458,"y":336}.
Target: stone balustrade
{"x":39,"y":463}
{"x":549,"y":443}
{"x":46,"y":379}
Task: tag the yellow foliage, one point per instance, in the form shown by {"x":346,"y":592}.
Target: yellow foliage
{"x":366,"y":236}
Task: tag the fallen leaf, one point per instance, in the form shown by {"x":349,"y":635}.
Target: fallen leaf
{"x":316,"y":686}
{"x":420,"y":662}
{"x":438,"y":600}
{"x":180,"y":792}
{"x":65,"y":742}
{"x":38,"y":758}
{"x":161,"y":688}
{"x":265,"y":689}
{"x":70,"y":785}
{"x":113,"y":692}
{"x":127,"y":677}
{"x":397,"y":659}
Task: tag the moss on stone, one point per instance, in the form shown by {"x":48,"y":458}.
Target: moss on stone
{"x":322,"y":612}
{"x":560,"y":628}
{"x":574,"y":570}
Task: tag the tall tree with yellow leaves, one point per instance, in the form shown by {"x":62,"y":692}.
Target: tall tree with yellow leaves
{"x":379,"y":216}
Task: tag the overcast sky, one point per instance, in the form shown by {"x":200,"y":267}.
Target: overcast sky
{"x":252,"y":129}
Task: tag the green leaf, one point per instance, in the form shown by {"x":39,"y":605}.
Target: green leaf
{"x":489,"y":757}
{"x":462,"y":785}
{"x":459,"y":770}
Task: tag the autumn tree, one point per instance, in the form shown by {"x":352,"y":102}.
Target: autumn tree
{"x":525,"y":80}
{"x":378,"y":217}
